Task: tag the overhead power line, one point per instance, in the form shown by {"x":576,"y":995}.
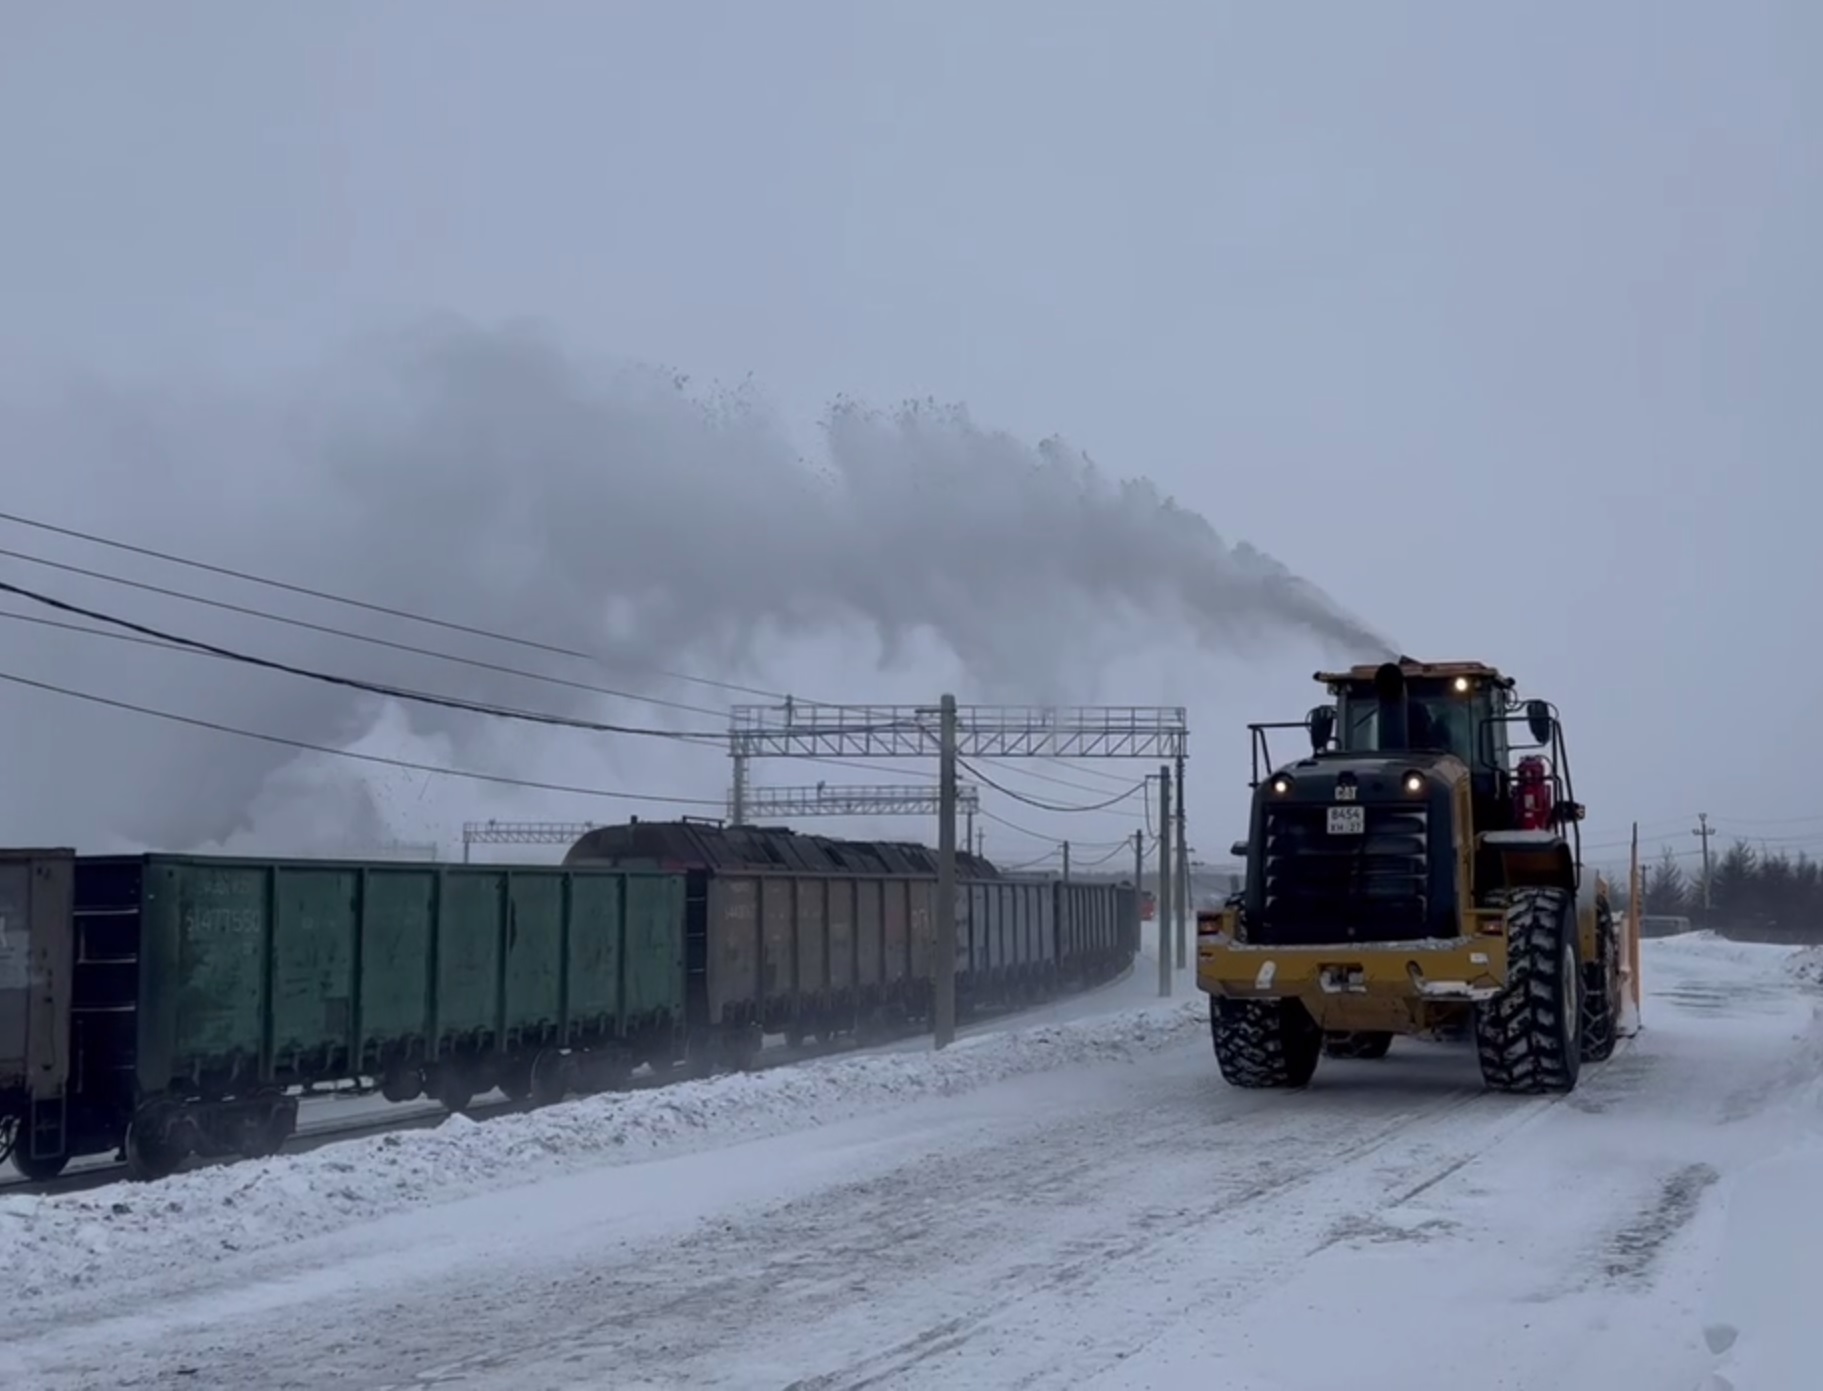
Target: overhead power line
{"x":331,"y":630}
{"x":195,"y":722}
{"x":330,"y":597}
{"x":702,"y":737}
{"x":1057,"y":781}
{"x":158,"y":638}
{"x":1119,"y":848}
{"x":189,"y":648}
{"x":355,"y":683}
{"x":1048,"y":806}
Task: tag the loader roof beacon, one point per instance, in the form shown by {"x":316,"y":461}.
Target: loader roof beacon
{"x":1419,"y":873}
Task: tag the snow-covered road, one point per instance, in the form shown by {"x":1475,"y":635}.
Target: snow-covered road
{"x":1081,"y":1205}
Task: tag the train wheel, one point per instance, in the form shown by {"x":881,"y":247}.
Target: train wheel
{"x":549,"y":1079}
{"x":514,"y":1079}
{"x":605,"y":1070}
{"x":700,"y":1053}
{"x":41,"y":1169}
{"x":454,"y":1087}
{"x":154,"y":1150}
{"x":742,"y":1047}
{"x":264,"y":1137}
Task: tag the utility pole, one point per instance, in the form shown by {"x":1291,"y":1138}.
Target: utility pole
{"x":943,"y":1005}
{"x":1164,"y":881}
{"x":1066,"y":862}
{"x":737,"y":800}
{"x":1705,"y":831}
{"x":969,"y":838}
{"x":1139,"y":880}
{"x":1186,"y":918}
{"x":1183,"y":865}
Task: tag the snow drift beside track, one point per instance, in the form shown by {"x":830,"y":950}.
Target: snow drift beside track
{"x":130,"y":1230}
{"x":1762,"y":1308}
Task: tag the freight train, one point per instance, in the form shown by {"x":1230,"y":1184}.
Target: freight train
{"x":159,"y":1006}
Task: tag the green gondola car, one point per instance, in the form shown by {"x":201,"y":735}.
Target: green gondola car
{"x":169,"y":1005}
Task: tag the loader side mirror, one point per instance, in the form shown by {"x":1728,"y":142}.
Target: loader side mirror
{"x":1322,"y":727}
{"x":1238,"y":849}
{"x":1538,"y":720}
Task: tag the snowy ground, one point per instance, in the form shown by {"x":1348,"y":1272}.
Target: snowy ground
{"x":329,"y":1112}
{"x":1077,"y":1203}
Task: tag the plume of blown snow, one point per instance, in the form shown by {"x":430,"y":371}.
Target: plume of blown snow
{"x":489,"y":477}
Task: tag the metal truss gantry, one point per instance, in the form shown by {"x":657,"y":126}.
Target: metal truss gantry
{"x":799,"y":729}
{"x":522,"y":833}
{"x":950,"y":732}
{"x":854,"y":799}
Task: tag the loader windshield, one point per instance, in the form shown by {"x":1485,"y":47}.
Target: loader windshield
{"x":1441,"y":720}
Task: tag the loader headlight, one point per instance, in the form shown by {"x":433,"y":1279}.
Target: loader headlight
{"x":1414,"y":782}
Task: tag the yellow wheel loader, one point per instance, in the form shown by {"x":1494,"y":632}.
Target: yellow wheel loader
{"x":1418,"y":874}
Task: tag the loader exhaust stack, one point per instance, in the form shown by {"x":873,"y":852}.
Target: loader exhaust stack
{"x":1395,"y":708}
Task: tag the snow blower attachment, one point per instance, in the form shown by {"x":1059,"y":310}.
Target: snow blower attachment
{"x":1409,"y":878}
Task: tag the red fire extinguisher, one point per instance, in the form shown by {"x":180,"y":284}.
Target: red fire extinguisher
{"x":1532,"y":795}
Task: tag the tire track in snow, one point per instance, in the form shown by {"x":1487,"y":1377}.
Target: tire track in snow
{"x":1156,"y":1229}
{"x":860,"y":1248}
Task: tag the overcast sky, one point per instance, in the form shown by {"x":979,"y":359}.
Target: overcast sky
{"x":1492,"y":322}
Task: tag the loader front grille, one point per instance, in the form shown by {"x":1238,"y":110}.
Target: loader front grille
{"x":1345,"y":888}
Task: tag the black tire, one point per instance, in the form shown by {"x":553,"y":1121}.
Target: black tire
{"x":1264,"y":1043}
{"x":1367,"y":1045}
{"x":1601,"y":992}
{"x":1529,"y":1036}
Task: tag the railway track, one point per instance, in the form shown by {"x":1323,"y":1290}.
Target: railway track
{"x":316,"y":1134}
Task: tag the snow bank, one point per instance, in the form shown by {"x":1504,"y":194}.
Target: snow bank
{"x":1762,"y":1310}
{"x":1705,"y":945}
{"x":52,"y":1244}
{"x":1807,"y":965}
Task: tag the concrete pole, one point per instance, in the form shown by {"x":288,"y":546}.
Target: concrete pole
{"x":1164,"y":881}
{"x":943,"y":1007}
{"x":737,"y":808}
{"x":1183,"y":869}
{"x":1139,"y":883}
{"x":1066,"y":862}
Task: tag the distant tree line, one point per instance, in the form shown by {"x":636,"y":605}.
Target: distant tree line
{"x":1754,"y":895}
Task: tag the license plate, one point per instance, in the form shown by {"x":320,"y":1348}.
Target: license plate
{"x":1348,"y":821}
